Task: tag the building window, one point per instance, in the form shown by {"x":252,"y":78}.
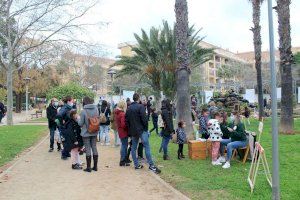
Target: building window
{"x":218,"y":58}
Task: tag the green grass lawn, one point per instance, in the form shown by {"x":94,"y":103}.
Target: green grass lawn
{"x":15,"y":139}
{"x":198,"y":179}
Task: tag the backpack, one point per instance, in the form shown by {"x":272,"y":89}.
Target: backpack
{"x":102,"y":117}
{"x":94,"y":124}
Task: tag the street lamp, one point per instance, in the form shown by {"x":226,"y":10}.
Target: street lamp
{"x":27,"y":79}
{"x":111,"y":72}
{"x":275,"y":152}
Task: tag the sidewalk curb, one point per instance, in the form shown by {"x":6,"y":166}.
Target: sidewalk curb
{"x":18,"y":160}
{"x":167,"y":185}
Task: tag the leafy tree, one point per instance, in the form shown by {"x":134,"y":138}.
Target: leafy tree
{"x":2,"y":94}
{"x":155,"y":58}
{"x":70,"y":89}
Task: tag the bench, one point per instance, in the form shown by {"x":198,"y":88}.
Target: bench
{"x":37,"y":114}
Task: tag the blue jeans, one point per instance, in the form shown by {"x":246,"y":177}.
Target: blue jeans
{"x":124,"y":145}
{"x":165,"y":142}
{"x":117,"y":139}
{"x":231,"y":146}
{"x":104,"y":133}
{"x":145,"y":140}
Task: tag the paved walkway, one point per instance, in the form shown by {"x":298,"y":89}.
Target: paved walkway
{"x":40,"y":175}
{"x":19,"y":117}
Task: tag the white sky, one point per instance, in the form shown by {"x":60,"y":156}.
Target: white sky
{"x":225,"y":23}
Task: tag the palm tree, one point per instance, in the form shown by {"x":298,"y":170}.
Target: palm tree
{"x":183,"y":70}
{"x":286,"y":60}
{"x":256,"y":5}
{"x":155,"y":58}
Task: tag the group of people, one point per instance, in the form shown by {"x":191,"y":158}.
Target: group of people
{"x":129,"y":122}
{"x":78,"y":132}
{"x":214,"y":125}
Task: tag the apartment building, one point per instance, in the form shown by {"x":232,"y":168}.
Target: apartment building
{"x":77,"y":66}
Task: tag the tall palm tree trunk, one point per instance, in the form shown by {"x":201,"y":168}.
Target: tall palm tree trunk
{"x":183,"y":106}
{"x":286,"y":60}
{"x":256,"y":4}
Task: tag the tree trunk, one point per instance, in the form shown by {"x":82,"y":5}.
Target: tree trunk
{"x":9,"y":74}
{"x":183,"y":105}
{"x":286,"y":60}
{"x":256,"y":4}
{"x":19,"y":102}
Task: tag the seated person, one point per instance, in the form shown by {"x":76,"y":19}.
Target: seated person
{"x":237,"y":139}
{"x":203,"y":120}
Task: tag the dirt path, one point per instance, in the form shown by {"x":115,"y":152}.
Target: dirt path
{"x":40,"y":175}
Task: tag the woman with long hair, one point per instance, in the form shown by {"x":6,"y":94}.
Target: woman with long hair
{"x":168,"y":129}
{"x":237,"y":139}
{"x":122,"y":130}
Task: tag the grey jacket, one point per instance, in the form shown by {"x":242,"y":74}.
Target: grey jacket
{"x":92,"y":111}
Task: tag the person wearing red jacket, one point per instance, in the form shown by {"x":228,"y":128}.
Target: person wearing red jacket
{"x":119,"y":114}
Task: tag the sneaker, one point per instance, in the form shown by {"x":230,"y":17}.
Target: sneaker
{"x":124,"y":164}
{"x":50,"y":150}
{"x":139,"y":167}
{"x":217,"y":162}
{"x":155,"y":169}
{"x":76,"y":166}
{"x":226,"y":165}
{"x":221,"y":159}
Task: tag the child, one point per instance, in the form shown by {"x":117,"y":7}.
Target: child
{"x":154,"y":121}
{"x":215,"y":135}
{"x":203,"y":123}
{"x":75,"y":139}
{"x":181,"y":139}
{"x":161,"y":125}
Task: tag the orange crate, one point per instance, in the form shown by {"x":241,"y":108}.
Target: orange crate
{"x":197,"y":150}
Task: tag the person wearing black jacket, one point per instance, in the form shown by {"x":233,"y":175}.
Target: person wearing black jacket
{"x":62,"y":118}
{"x":51,"y":116}
{"x":149,"y":108}
{"x":2,"y":111}
{"x":154,"y":121}
{"x":74,"y":140}
{"x":168,"y":129}
{"x":137,"y":123}
{"x":104,"y":127}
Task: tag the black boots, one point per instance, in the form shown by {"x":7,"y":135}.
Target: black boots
{"x":95,"y":158}
{"x":124,"y":163}
{"x":89,"y":161}
{"x":179,"y":155}
{"x":88,"y":164}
